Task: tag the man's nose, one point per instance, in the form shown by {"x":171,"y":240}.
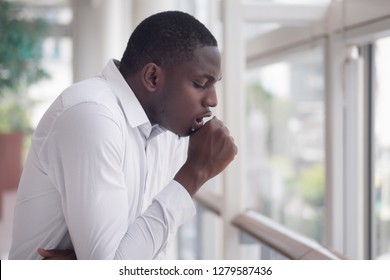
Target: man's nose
{"x":211,"y":99}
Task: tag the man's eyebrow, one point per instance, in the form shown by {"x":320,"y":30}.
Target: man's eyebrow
{"x":212,"y":78}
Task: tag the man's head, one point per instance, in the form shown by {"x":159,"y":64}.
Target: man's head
{"x":165,"y":39}
{"x":172,"y":63}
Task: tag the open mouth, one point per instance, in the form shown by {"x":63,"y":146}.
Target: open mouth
{"x":199,"y":122}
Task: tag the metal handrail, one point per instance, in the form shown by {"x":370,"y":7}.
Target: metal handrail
{"x":210,"y":201}
{"x":283,"y":240}
{"x":288,"y":243}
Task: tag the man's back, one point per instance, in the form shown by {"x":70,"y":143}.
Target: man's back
{"x":91,"y":168}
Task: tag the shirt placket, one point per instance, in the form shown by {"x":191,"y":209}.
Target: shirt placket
{"x":148,"y":165}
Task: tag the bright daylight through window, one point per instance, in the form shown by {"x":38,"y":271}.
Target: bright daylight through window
{"x":285,"y":142}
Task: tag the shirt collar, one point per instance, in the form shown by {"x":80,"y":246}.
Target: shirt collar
{"x":134,"y":113}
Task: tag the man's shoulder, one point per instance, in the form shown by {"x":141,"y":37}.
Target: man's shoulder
{"x":92,"y":90}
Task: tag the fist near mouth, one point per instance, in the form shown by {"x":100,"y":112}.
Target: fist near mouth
{"x":211,"y":149}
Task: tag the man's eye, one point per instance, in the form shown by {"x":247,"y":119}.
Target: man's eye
{"x":199,"y":85}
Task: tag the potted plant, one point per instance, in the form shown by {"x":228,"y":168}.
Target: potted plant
{"x":20,"y":56}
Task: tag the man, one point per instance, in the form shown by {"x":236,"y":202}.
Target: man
{"x":104,"y":177}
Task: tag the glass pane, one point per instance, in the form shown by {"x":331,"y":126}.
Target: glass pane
{"x":201,"y":237}
{"x":252,"y":249}
{"x":382,"y":149}
{"x":285,"y":140}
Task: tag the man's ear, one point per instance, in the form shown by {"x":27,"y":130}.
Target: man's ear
{"x":151,"y":76}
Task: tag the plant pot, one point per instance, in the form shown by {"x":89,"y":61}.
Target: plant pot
{"x":11,"y":148}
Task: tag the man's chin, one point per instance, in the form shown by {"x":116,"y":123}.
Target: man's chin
{"x":182,"y":133}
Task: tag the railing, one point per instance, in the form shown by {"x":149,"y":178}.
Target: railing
{"x":277,"y":237}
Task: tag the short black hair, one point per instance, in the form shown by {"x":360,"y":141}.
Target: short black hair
{"x":165,"y":38}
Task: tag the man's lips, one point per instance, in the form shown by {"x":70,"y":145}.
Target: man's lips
{"x":198,"y":122}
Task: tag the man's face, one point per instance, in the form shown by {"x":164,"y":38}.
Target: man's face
{"x":188,"y":92}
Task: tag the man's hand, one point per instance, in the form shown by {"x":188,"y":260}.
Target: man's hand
{"x":210,"y":151}
{"x":57,"y":254}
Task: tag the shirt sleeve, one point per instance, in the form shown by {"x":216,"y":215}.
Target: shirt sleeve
{"x":85,"y":159}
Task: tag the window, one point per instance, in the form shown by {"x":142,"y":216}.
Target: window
{"x":381,"y":150}
{"x":200,"y":238}
{"x":285,"y":142}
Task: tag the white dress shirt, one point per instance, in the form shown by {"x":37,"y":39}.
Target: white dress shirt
{"x":99,"y":177}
